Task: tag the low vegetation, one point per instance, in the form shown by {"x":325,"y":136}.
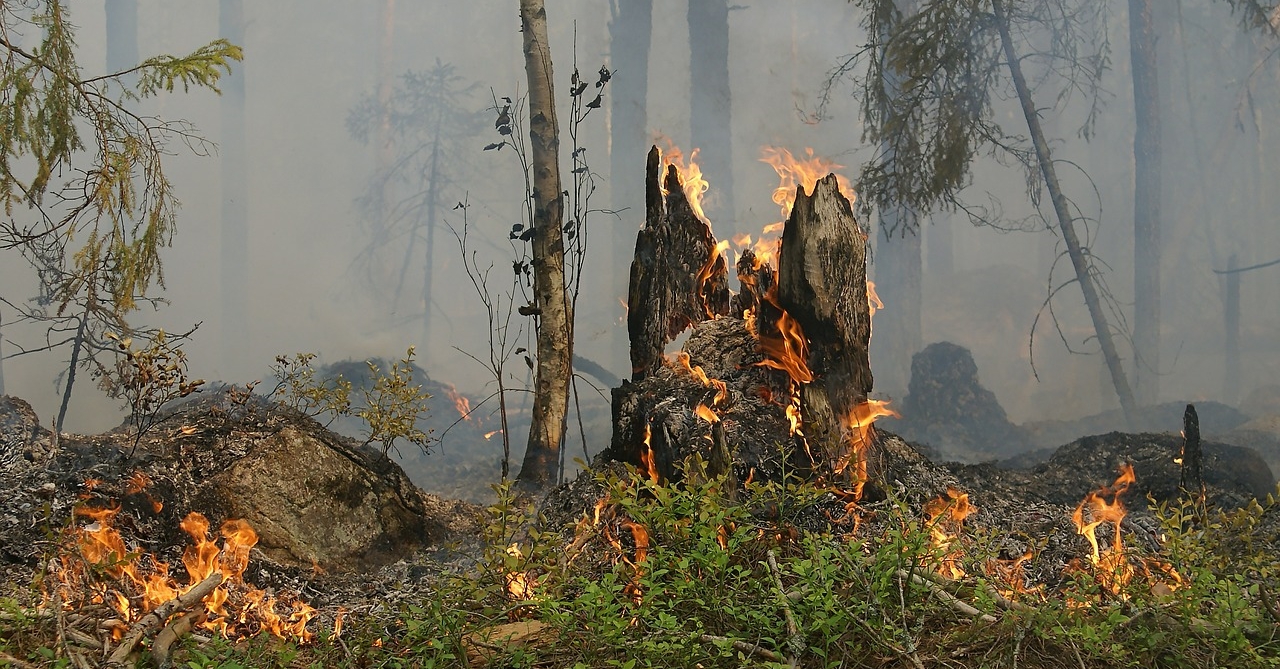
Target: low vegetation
{"x":678,"y":576}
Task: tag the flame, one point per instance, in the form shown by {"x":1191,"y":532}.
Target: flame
{"x":460,"y":402}
{"x":873,"y":300}
{"x":705,"y":413}
{"x":790,"y":351}
{"x":945,"y":517}
{"x":691,"y":180}
{"x":488,"y":435}
{"x":142,"y":583}
{"x":646,"y":456}
{"x":1011,"y":575}
{"x":520,"y":584}
{"x":857,"y":427}
{"x":803,"y":172}
{"x":681,"y":362}
{"x":1112,"y":565}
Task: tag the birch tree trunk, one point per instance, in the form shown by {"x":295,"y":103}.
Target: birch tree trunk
{"x":554,"y":334}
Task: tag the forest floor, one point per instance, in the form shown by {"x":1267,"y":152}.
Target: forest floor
{"x":617,"y":569}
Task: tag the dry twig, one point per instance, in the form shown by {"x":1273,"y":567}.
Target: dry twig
{"x":157,"y":617}
{"x":749,"y":649}
{"x":794,"y":641}
{"x":171,"y":633}
{"x":946,"y":597}
{"x":15,"y":662}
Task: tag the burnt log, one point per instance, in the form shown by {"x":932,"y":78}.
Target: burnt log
{"x":678,"y":278}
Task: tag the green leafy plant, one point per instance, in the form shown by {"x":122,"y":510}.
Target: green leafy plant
{"x":298,"y":387}
{"x":393,"y":405}
{"x":148,"y":379}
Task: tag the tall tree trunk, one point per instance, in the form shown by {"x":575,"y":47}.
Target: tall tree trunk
{"x":433,"y":195}
{"x":1063,"y":213}
{"x":382,"y":139}
{"x":709,"y":121}
{"x":551,"y":383}
{"x":1231,"y":323}
{"x":1146,"y":202}
{"x":630,"y":32}
{"x":235,"y":196}
{"x":940,"y":246}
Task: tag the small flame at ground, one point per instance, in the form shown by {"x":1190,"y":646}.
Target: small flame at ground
{"x":945,"y":519}
{"x":460,"y":402}
{"x":140,"y":583}
{"x":1112,"y":565}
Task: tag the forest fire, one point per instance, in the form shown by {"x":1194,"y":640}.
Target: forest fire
{"x":137,"y":583}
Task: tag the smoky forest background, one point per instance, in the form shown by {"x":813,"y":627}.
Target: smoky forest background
{"x":360,"y":193}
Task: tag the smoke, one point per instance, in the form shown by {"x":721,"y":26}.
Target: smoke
{"x":308,"y":63}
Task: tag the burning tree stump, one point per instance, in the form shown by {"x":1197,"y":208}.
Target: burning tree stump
{"x":784,"y":364}
{"x":676,"y":279}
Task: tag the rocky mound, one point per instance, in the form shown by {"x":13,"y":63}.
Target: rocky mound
{"x":948,"y":409}
{"x":317,"y":500}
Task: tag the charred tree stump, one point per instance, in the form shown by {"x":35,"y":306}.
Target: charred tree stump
{"x":677,"y":277}
{"x":788,"y":351}
{"x":822,"y":284}
{"x":1192,"y":474}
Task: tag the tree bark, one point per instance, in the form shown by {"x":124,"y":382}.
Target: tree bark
{"x":235,"y":196}
{"x":1074,"y":249}
{"x":677,"y":279}
{"x":709,"y":121}
{"x":822,"y":281}
{"x":630,"y":33}
{"x":1146,"y":202}
{"x":551,"y":381}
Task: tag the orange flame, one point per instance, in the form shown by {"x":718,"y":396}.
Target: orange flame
{"x":681,"y":362}
{"x":790,"y":352}
{"x":646,"y":456}
{"x":1112,"y":566}
{"x":101,"y":546}
{"x":520,"y":584}
{"x":691,"y":180}
{"x":858,"y":427}
{"x":460,"y":402}
{"x":705,"y":413}
{"x":945,"y":517}
{"x":489,"y":435}
{"x":873,"y":300}
{"x":804,"y":172}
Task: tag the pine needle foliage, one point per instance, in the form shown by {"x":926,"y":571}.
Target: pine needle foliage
{"x":931,"y":79}
{"x":55,"y":119}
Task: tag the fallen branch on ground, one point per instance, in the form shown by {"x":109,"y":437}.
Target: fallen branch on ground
{"x":156,"y":618}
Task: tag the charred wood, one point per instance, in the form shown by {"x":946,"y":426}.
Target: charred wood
{"x":677,"y":277}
